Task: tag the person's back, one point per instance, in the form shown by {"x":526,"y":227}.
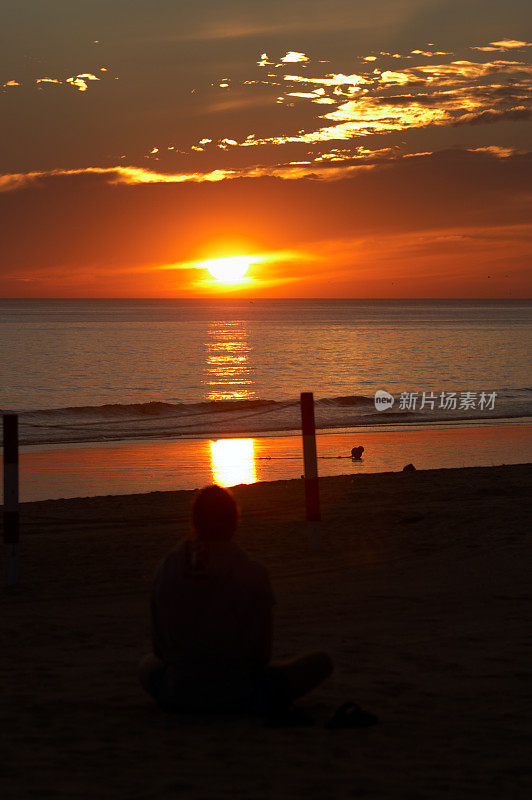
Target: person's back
{"x":211,"y":619}
{"x":211,"y":609}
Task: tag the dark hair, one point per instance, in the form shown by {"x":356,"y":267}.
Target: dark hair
{"x":214,"y":513}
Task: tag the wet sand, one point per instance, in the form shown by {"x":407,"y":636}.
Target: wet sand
{"x":162,"y":465}
{"x":420,"y":592}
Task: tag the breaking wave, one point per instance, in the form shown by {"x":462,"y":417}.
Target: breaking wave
{"x":221,"y":417}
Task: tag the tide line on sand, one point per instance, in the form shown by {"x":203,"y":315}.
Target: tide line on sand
{"x":161,"y":465}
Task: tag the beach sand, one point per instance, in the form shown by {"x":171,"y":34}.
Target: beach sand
{"x":420,"y":592}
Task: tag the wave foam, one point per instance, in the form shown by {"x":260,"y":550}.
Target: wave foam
{"x":220,"y":417}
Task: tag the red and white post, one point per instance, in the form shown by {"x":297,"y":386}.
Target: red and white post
{"x":11,"y":510}
{"x":310,"y":458}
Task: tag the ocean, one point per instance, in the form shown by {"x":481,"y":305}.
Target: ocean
{"x":122,"y":396}
{"x":104,"y":370}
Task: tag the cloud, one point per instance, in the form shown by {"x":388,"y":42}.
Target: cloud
{"x":462,"y":71}
{"x":112,"y":175}
{"x":286,"y":120}
{"x":444,"y":94}
{"x":490,"y":115}
{"x":361,"y":158}
{"x":80,"y":81}
{"x":504,"y":44}
{"x":331,"y":79}
{"x":400,"y":78}
{"x":134,"y":176}
{"x":293,"y":57}
{"x":430,"y":53}
{"x":511,"y":43}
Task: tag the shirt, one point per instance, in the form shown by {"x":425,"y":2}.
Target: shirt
{"x":211,"y":615}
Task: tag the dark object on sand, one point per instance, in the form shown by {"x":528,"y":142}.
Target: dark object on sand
{"x":411,"y":518}
{"x":409,"y":468}
{"x":356,"y":452}
{"x":349,"y":715}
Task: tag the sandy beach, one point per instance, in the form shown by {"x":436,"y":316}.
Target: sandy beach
{"x":420,"y":591}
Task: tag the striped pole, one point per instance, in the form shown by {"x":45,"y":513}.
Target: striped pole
{"x":312,"y":492}
{"x":11,"y":513}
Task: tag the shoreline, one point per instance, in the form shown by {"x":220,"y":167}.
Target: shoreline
{"x":157,"y":438}
{"x":226,"y":430}
{"x":420,"y":592}
{"x":160,"y":465}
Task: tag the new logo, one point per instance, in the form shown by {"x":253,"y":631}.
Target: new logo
{"x":383,"y":400}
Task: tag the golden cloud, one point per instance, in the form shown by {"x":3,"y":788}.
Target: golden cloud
{"x":504,"y":44}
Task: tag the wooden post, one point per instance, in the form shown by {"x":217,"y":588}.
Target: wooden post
{"x":312,"y":492}
{"x":11,"y":511}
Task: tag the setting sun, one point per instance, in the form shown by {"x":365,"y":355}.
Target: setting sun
{"x":231,"y":269}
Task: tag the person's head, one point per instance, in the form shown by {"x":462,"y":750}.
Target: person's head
{"x":214,"y":514}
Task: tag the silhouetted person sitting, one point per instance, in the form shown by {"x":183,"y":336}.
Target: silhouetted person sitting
{"x":356,"y":453}
{"x":212,"y":624}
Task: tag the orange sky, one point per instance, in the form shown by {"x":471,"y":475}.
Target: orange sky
{"x":353,"y":157}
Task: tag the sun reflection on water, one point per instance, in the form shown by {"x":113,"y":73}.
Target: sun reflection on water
{"x":233,"y":461}
{"x":228,"y":373}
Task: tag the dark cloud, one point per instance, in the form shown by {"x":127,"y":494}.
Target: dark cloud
{"x":495,"y":115}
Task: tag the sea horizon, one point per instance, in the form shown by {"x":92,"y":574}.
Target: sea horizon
{"x":222,"y":299}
